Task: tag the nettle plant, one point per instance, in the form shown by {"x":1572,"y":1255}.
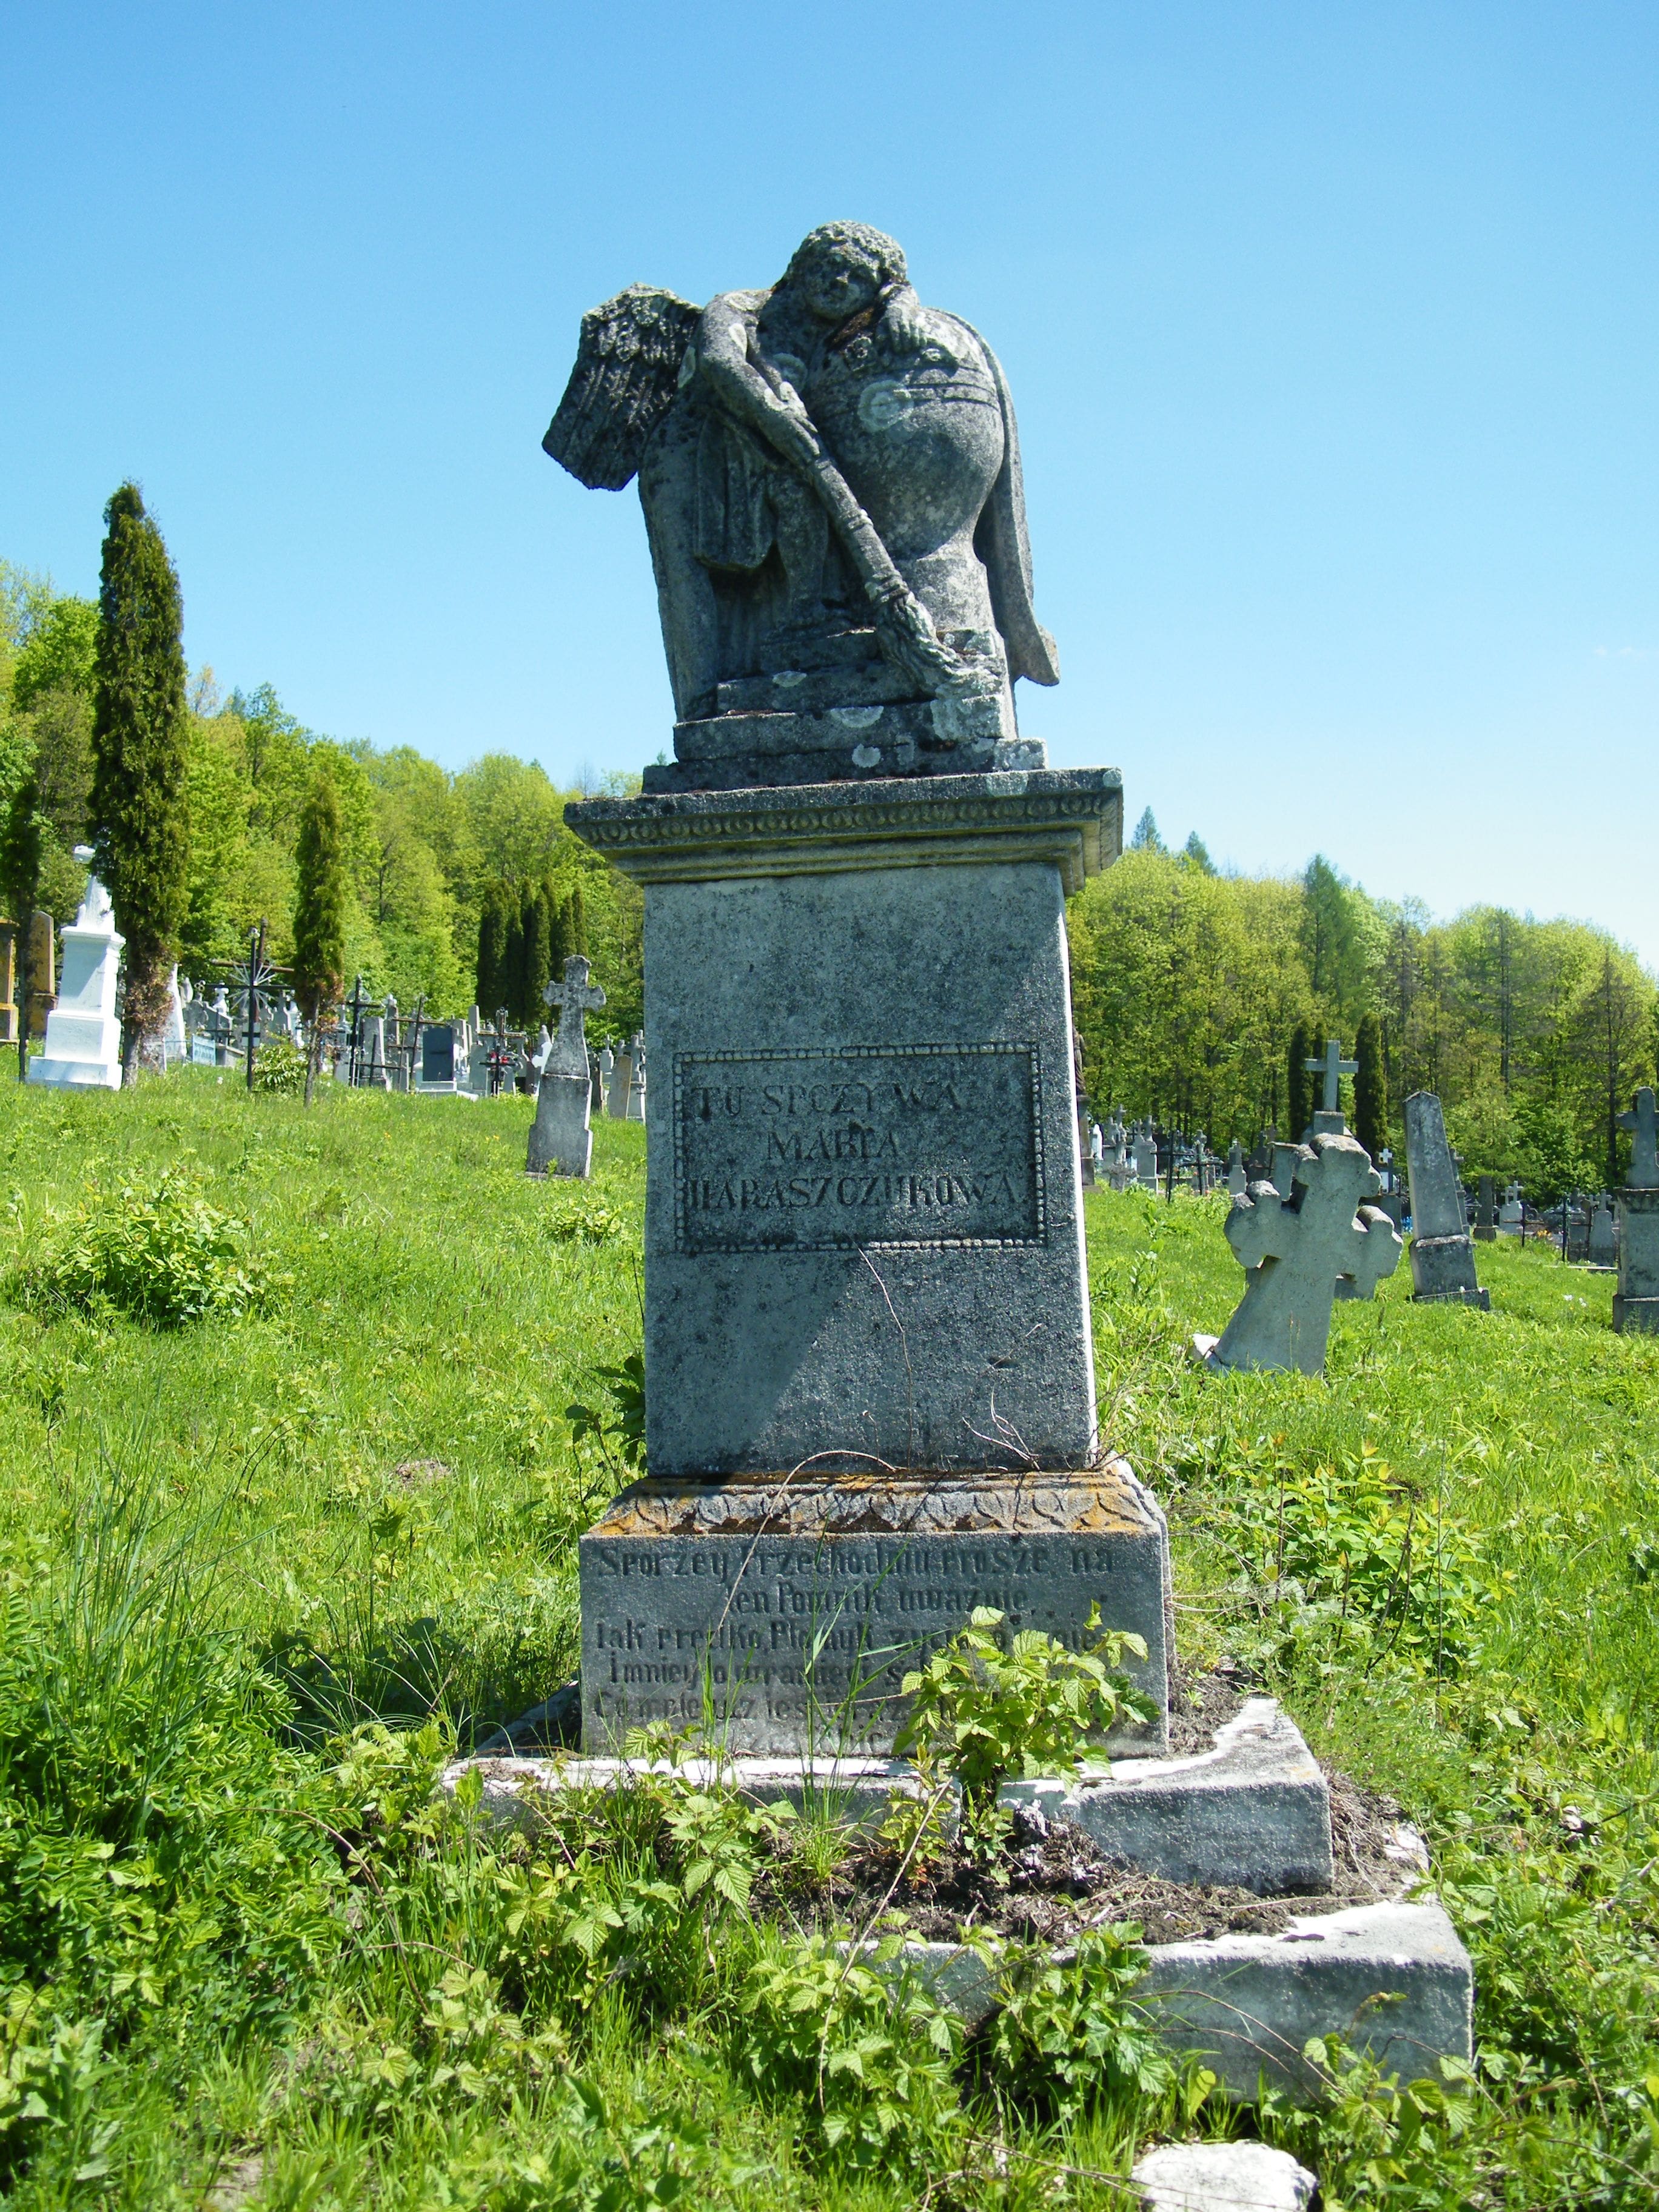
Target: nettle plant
{"x":984,"y":1711}
{"x":159,"y":1255}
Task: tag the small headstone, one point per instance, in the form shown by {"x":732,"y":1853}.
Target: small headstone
{"x":561,"y":1136}
{"x":1636,"y":1301}
{"x":1486,"y":1219}
{"x":438,"y":1056}
{"x":1512,"y":1213}
{"x":371,"y":1056}
{"x":7,"y":982}
{"x":1294,"y":1249}
{"x":1238,"y":1179}
{"x":1146,"y":1152}
{"x":1443,"y":1257}
{"x":43,"y":971}
{"x":1285,"y":1157}
{"x":83,"y":1038}
{"x":637,"y":1088}
{"x":1222,"y":2176}
{"x":1604,"y":1238}
{"x":622,"y":1085}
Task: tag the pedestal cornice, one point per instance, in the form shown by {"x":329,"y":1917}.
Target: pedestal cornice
{"x":1072,"y":818}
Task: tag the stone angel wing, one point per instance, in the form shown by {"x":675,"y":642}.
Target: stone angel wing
{"x":626,"y":371}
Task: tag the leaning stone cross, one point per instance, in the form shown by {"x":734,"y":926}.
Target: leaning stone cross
{"x":1333,"y":1067}
{"x":573,"y":998}
{"x":1292,"y":1250}
{"x":1643,"y":1123}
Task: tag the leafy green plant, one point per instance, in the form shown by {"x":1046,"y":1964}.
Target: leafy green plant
{"x":279,"y":1068}
{"x":1067,"y":2031}
{"x":867,"y":2051}
{"x":617,"y":1429}
{"x":583,"y":1221}
{"x":159,"y":1254}
{"x":982,"y":1712}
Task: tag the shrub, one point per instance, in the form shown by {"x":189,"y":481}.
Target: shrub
{"x":871,"y":2055}
{"x":160,"y":1255}
{"x":279,"y":1068}
{"x":1067,"y":2032}
{"x":982,"y":1712}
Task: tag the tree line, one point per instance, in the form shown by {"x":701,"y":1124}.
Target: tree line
{"x":1198,"y":996}
{"x":447,"y":887}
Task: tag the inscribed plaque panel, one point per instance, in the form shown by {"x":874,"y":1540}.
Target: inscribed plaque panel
{"x":859,"y":1147}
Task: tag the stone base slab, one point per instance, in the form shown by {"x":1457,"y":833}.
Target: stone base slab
{"x":1391,"y":1979}
{"x":858,"y":1792}
{"x":1254,"y":1811}
{"x":779,"y":1615}
{"x":1635,"y":1316}
{"x":1443,"y":1267}
{"x":1480,"y":1299}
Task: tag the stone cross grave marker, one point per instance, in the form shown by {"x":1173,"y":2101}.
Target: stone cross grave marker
{"x":1293,"y":1251}
{"x":1636,"y":1301}
{"x":1327,"y":1121}
{"x":561,"y":1135}
{"x":1237,"y":1180}
{"x":1442,"y":1256}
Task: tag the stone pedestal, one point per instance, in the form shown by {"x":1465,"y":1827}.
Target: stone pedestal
{"x":83,"y":1038}
{"x":43,"y":971}
{"x":864,"y":1235}
{"x":561,"y":1135}
{"x":1636,"y":1301}
{"x":781,"y":1616}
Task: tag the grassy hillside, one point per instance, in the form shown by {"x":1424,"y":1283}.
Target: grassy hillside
{"x":238,"y":1954}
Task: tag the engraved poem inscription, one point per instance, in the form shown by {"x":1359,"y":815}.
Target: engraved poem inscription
{"x":868,"y":1146}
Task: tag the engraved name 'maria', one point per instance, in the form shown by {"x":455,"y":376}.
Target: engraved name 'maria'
{"x":889,"y":1192}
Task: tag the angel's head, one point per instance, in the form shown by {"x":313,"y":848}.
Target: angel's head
{"x":842,"y":267}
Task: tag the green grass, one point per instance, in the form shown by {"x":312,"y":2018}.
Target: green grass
{"x":241,"y":1950}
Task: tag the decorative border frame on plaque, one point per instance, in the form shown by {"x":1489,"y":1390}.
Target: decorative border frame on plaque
{"x":686,"y":1061}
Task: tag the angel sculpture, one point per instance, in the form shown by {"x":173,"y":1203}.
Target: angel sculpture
{"x":831,"y":478}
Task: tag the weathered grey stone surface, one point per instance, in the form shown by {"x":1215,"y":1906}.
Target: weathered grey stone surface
{"x":857,"y":1792}
{"x":1222,"y":2176}
{"x":1485,"y":1214}
{"x":1442,"y":1254}
{"x":621,"y":1085}
{"x":863,"y":1221}
{"x":1237,"y":1178}
{"x":1293,"y":1250}
{"x":1636,"y":1301}
{"x":562,"y":1136}
{"x":781,"y":1615}
{"x":1604,"y":1238}
{"x":831,"y":478}
{"x":1254,"y":1811}
{"x":1249,"y":2004}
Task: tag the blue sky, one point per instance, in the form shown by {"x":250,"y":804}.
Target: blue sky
{"x":1332,"y":330}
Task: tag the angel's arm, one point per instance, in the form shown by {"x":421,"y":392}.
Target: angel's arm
{"x":776,"y":412}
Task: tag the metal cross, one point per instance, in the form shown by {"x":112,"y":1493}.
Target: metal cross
{"x":1333,"y":1067}
{"x":1644,"y":1124}
{"x":574,"y":998}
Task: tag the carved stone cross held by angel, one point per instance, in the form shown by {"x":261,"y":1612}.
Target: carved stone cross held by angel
{"x":831,"y":478}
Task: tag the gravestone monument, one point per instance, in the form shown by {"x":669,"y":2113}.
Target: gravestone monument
{"x":561,"y":1135}
{"x":1238,"y":1179}
{"x":438,"y":1060}
{"x":637,"y":1087}
{"x":43,"y":971}
{"x":83,"y":1048}
{"x":1328,"y":1116}
{"x":622,"y":1085}
{"x":1145,"y":1154}
{"x":1442,"y":1256}
{"x":602,"y":1063}
{"x":1603,"y":1237}
{"x":1486,"y":1218}
{"x":7,"y":982}
{"x":870,"y":1394}
{"x":1636,"y":1301}
{"x":1511,"y":1214}
{"x":1295,"y":1249}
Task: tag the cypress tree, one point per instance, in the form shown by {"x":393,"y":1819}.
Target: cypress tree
{"x":537,"y":954}
{"x":319,"y":912}
{"x":509,"y":983}
{"x":579,"y":922}
{"x":1299,"y":1088}
{"x":140,"y":829}
{"x":1370,"y":1100}
{"x":492,"y":948}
